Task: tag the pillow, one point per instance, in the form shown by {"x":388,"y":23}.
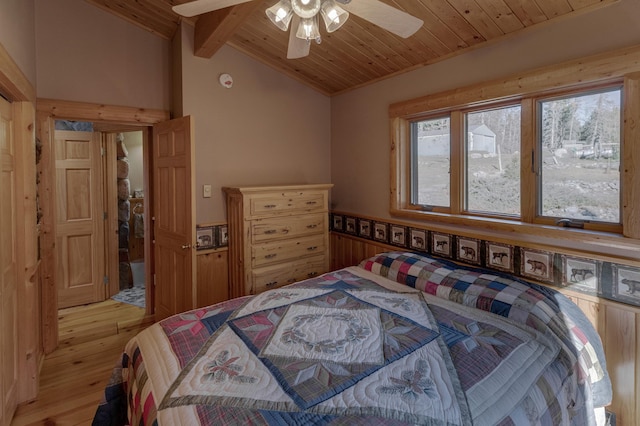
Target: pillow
{"x":446,"y":279}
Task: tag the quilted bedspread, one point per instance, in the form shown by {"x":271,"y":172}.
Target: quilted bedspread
{"x":354,"y":347}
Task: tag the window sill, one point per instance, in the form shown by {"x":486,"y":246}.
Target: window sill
{"x":602,"y":245}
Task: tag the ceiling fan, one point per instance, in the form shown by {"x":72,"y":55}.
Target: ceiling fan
{"x":302,"y":16}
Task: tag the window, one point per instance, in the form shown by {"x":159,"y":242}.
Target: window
{"x":579,"y":147}
{"x":541,"y":160}
{"x":431,"y":162}
{"x":492,"y":142}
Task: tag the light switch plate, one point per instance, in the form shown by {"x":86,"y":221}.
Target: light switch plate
{"x":206,"y":191}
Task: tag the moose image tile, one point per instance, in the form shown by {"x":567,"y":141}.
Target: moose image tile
{"x":441,"y":244}
{"x":581,"y":274}
{"x":399,"y":235}
{"x":380,"y":231}
{"x":364,"y":228}
{"x":499,"y":256}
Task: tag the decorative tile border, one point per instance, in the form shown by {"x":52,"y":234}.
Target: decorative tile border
{"x":398,"y":235}
{"x":626,"y":284}
{"x":337,"y":222}
{"x":441,"y":244}
{"x":418,"y":239}
{"x":210,"y":237}
{"x":468,"y":250}
{"x":364,"y":228}
{"x":499,"y":256}
{"x":205,"y":237}
{"x":537,"y":264}
{"x":350,"y":225}
{"x":380,"y":232}
{"x":595,"y":277}
{"x":581,"y":274}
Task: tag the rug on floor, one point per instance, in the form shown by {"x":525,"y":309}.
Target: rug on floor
{"x":132,"y":296}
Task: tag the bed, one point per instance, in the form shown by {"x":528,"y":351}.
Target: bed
{"x":401,"y":339}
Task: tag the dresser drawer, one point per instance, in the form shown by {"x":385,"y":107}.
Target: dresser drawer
{"x":282,"y":251}
{"x":287,"y":202}
{"x":287,"y":273}
{"x":271,"y":229}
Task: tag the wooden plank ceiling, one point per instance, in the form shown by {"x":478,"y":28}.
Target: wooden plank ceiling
{"x":359,"y":52}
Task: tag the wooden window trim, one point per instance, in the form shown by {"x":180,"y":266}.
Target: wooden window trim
{"x":616,"y":228}
{"x":612,"y":67}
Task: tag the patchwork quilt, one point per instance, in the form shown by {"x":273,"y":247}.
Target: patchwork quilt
{"x":355,"y":347}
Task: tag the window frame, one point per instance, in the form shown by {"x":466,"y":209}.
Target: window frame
{"x":412,"y":178}
{"x":541,"y":219}
{"x":617,"y":67}
{"x":464,"y":165}
{"x":530,"y":159}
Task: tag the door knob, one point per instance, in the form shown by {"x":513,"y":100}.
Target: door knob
{"x":186,"y":246}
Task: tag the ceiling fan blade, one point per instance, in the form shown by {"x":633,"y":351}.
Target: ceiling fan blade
{"x":298,"y":48}
{"x":198,"y":7}
{"x":384,"y":16}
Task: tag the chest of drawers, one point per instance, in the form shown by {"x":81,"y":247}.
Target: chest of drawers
{"x":277,"y":235}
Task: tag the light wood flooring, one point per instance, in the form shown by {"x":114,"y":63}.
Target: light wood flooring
{"x":73,"y":377}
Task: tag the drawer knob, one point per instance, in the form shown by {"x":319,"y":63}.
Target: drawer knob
{"x":312,"y":226}
{"x":312,"y":248}
{"x":312,"y":274}
{"x":270,"y":206}
{"x":272,"y":283}
{"x":270,"y":256}
{"x":310,"y":203}
{"x":270,"y":231}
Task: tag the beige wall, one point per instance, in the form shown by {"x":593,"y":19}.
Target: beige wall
{"x":88,"y":55}
{"x":359,"y":119}
{"x":133,"y":143}
{"x":17,"y":34}
{"x":267,"y":129}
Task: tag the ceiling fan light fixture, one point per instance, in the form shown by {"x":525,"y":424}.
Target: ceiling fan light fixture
{"x":334,"y":16}
{"x":280,"y":14}
{"x":306,"y":9}
{"x":308,"y":29}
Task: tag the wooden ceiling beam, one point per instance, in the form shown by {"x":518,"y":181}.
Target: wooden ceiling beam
{"x":213,"y":29}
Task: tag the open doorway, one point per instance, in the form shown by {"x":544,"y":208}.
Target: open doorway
{"x":106,"y":118}
{"x":131,"y":218}
{"x":100,"y":181}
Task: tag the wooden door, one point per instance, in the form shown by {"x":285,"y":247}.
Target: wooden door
{"x":80,"y":218}
{"x":174,"y":230}
{"x":8,"y":269}
{"x":112,"y":236}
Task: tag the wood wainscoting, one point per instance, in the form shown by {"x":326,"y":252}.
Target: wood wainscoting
{"x":617,"y":324}
{"x":212,"y":272}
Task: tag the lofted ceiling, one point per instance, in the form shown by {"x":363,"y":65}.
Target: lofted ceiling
{"x":358,"y":53}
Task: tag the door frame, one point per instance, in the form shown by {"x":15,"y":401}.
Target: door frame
{"x":109,"y":118}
